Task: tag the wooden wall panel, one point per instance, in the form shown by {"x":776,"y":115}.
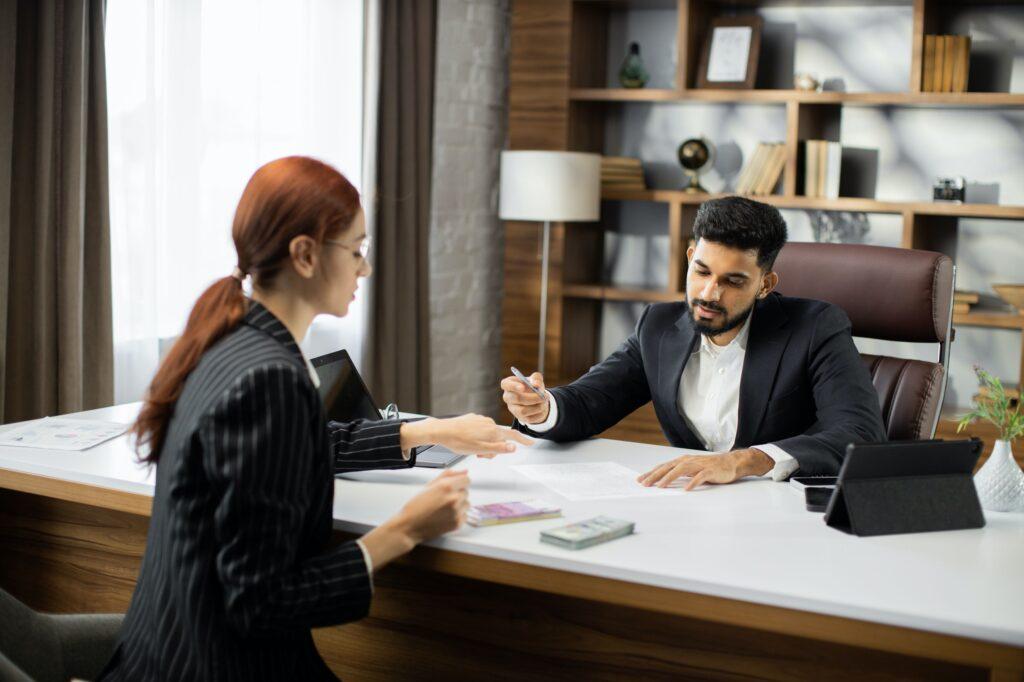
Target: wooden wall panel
{"x":538,"y":82}
{"x":642,"y":426}
{"x":538,"y":119}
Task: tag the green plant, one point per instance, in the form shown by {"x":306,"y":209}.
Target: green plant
{"x":993,"y":406}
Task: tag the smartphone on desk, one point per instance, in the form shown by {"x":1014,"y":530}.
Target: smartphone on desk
{"x":802,"y":482}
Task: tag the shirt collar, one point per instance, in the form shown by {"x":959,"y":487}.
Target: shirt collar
{"x":738,"y":343}
{"x":262,"y":319}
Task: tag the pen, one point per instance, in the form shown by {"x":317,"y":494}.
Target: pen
{"x":519,"y":375}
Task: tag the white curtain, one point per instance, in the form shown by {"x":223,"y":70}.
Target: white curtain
{"x":201,"y":93}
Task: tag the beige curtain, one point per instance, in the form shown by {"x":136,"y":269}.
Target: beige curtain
{"x":56,"y":347}
{"x":398,"y":347}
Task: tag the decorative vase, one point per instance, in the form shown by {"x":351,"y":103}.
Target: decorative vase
{"x":1000,"y":482}
{"x":633,"y":74}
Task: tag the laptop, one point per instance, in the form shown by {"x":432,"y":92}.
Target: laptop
{"x":346,"y":398}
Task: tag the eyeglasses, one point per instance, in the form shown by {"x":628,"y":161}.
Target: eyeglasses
{"x":363,"y":249}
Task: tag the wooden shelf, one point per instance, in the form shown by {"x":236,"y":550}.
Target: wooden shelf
{"x":993,"y":211}
{"x":622,"y":95}
{"x":908,"y":99}
{"x":994,"y":320}
{"x":600,"y":292}
{"x":556,"y":43}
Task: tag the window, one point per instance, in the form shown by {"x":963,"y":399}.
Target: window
{"x":200,"y":94}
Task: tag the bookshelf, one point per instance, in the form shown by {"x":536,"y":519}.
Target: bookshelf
{"x":558,"y":99}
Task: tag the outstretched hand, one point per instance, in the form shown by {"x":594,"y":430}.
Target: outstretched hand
{"x":720,"y":468}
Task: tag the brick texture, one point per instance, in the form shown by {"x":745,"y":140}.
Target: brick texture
{"x":467,"y":242}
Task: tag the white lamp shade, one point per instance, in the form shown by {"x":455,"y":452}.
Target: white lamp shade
{"x":550,"y":186}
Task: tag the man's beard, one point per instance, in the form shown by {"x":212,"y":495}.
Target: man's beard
{"x":730,"y":322}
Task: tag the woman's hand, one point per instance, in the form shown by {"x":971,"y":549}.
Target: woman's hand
{"x":470,"y":434}
{"x":439,"y":509}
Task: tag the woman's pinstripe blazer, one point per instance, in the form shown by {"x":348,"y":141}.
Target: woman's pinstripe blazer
{"x":237,"y":567}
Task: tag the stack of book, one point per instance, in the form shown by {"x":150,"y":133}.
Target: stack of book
{"x":622,"y":173}
{"x":963,"y":300}
{"x":821,"y":168}
{"x":763,"y":171}
{"x":947,"y":60}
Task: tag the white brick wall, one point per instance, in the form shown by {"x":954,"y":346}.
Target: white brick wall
{"x":466,"y":239}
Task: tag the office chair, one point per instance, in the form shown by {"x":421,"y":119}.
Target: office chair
{"x":43,"y":647}
{"x":890,"y":294}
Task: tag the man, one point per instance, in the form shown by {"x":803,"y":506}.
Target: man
{"x":772,"y":384}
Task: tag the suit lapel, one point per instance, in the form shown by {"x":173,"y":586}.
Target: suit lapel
{"x":765,"y":346}
{"x":674,"y":350}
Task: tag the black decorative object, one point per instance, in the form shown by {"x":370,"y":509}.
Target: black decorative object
{"x":633,"y":74}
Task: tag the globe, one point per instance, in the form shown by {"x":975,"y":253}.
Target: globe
{"x":695,"y":155}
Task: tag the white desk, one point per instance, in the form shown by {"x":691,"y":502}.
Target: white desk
{"x":751,"y":543}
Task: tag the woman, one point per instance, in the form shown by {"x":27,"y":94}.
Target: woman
{"x":237,"y":566}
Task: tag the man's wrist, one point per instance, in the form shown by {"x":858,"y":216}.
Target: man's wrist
{"x":753,"y":462}
{"x":543,"y":417}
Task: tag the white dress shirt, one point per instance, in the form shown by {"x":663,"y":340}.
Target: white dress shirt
{"x":709,"y":400}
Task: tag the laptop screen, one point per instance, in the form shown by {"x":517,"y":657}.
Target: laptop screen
{"x":342,"y":390}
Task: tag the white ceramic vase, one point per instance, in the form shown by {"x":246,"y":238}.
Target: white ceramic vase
{"x":1000,"y":482}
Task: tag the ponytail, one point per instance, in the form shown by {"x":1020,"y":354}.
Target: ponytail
{"x":218,"y":311}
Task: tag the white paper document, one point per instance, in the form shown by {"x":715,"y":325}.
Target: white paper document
{"x":60,"y":433}
{"x":587,"y":481}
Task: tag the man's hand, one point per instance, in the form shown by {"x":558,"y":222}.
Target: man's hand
{"x":524,"y":404}
{"x":722,"y":468}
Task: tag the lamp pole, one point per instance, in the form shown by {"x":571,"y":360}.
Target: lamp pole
{"x":543,"y":297}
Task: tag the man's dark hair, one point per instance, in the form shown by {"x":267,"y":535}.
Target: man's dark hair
{"x":742,"y":224}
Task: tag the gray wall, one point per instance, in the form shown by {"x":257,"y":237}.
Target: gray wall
{"x":467,"y":241}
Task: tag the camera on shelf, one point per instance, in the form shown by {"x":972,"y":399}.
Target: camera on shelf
{"x":949,"y":189}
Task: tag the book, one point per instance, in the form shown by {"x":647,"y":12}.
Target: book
{"x":622,"y":173}
{"x":940,"y":56}
{"x":963,"y":63}
{"x":772,"y":169}
{"x":630,"y":161}
{"x":811,"y":168}
{"x":587,"y":533}
{"x":833,"y":163}
{"x":510,"y":512}
{"x":745,"y":180}
{"x":948,"y":59}
{"x":928,"y":68}
{"x":822,"y":166}
{"x":970,"y":297}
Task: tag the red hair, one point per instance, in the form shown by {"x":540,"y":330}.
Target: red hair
{"x":284,"y":199}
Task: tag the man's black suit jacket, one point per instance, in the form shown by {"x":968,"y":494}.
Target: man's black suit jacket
{"x":804,"y":386}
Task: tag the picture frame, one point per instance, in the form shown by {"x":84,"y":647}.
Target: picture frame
{"x":730,"y":54}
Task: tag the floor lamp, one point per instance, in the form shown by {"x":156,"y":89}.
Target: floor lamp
{"x":549,"y":187}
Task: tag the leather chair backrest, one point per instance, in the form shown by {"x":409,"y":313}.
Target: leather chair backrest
{"x":890,"y":294}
